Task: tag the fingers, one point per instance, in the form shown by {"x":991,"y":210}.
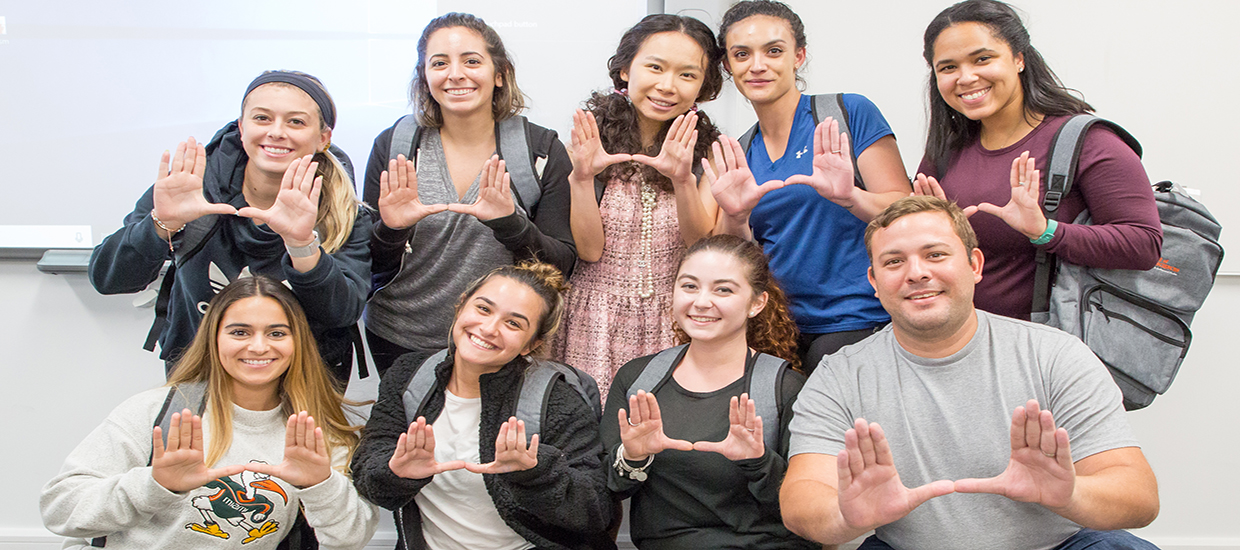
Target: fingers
{"x":290,"y":431}
{"x":865,"y":442}
{"x":164,"y":161}
{"x":228,"y":471}
{"x":157,"y":443}
{"x":708,"y":173}
{"x":1033,"y":426}
{"x":178,"y":159}
{"x":925,"y":185}
{"x":533,"y":449}
{"x":1017,"y":430}
{"x":623,"y":416}
{"x":843,"y":464}
{"x":919,"y":495}
{"x":652,"y":408}
{"x":639,"y":411}
{"x":200,"y":161}
{"x":974,"y":485}
{"x":1063,"y":453}
{"x":450,"y":465}
{"x":969,"y":211}
{"x":1047,"y":434}
{"x":852,"y":450}
{"x":882,"y":448}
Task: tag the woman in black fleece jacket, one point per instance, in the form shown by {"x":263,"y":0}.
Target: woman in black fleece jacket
{"x":550,"y":493}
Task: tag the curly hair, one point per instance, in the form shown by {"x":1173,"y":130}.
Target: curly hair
{"x":545,"y":280}
{"x":771,"y":331}
{"x":506,"y":101}
{"x":1044,"y":94}
{"x":741,"y":11}
{"x":617,"y":119}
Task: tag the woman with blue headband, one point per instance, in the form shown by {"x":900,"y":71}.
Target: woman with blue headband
{"x":265,"y":196}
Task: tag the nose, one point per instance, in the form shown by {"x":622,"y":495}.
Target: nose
{"x":967,"y":75}
{"x":759,"y":65}
{"x":664,"y":83}
{"x":275,"y":131}
{"x":490,"y":325}
{"x":917,"y":270}
{"x":702,"y":300}
{"x":455,"y":72}
{"x":258,"y":344}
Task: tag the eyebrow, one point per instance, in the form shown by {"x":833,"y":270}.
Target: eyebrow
{"x":247,"y":325}
{"x":970,"y":54}
{"x":927,"y":246}
{"x":463,"y":54}
{"x":716,"y":281}
{"x":777,"y":41}
{"x":264,"y":109}
{"x":658,"y":59}
{"x":489,"y":302}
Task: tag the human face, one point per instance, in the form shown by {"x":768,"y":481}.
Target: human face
{"x":280,"y":123}
{"x":924,"y":277}
{"x":977,"y":74}
{"x":460,"y":73}
{"x":763,"y":58}
{"x":664,"y":78}
{"x":498,"y":323}
{"x":255,"y":344}
{"x":713,"y":301}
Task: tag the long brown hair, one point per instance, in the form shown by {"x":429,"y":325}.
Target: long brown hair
{"x":772,"y":330}
{"x":305,"y":386}
{"x":507,"y":99}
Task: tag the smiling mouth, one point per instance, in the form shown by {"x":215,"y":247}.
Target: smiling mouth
{"x":662,"y":104}
{"x":482,"y":344}
{"x":698,"y":319}
{"x":276,"y":151}
{"x":257,"y":362}
{"x":458,"y":91}
{"x":923,"y":295}
{"x":975,"y":95}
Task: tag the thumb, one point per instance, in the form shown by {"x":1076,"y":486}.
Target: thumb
{"x":220,"y":208}
{"x":709,"y":446}
{"x":919,"y":495}
{"x":253,"y":213}
{"x":975,"y":485}
{"x":478,"y":468}
{"x":677,"y":444}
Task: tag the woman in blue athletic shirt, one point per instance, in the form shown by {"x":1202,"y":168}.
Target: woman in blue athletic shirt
{"x":814,"y":245}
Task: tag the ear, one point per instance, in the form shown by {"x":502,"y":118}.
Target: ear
{"x":758,"y":304}
{"x":325,"y":139}
{"x":869,"y":274}
{"x":1020,"y":62}
{"x":727,"y":64}
{"x":530,"y":347}
{"x":802,"y":53}
{"x":624,"y":75}
{"x":240,"y":128}
{"x":499,"y":79}
{"x":975,"y":262}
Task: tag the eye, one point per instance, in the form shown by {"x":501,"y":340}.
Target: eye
{"x":688,"y":286}
{"x":775,"y":51}
{"x":483,"y":309}
{"x":297,"y":121}
{"x":689,"y":76}
{"x":936,"y":255}
{"x":654,"y":67}
{"x":892,"y":262}
{"x":437,"y":63}
{"x":473,"y":61}
{"x":278,"y":333}
{"x":239,"y":332}
{"x":984,"y":58}
{"x":946,"y":68}
{"x":723,"y":290}
{"x":514,"y":324}
{"x":740,"y":54}
{"x":261,"y":118}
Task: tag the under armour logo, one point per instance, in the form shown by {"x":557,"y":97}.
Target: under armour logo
{"x":802,"y":151}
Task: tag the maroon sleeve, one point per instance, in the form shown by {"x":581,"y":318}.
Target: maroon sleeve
{"x":1126,"y":233}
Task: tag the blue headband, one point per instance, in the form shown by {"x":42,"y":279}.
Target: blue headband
{"x":312,"y":89}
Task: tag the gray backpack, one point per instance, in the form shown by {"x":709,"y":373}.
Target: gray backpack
{"x":1136,"y":322}
{"x":823,"y":106}
{"x":764,"y":383}
{"x":536,"y":384}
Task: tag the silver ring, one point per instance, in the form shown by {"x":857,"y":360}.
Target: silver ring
{"x":1051,"y":455}
{"x":630,"y":421}
{"x":835,"y":151}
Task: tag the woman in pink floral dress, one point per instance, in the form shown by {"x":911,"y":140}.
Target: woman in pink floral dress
{"x":636,"y":197}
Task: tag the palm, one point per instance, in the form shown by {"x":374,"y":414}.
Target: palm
{"x":178,"y":466}
{"x":731,"y":181}
{"x":399,"y":205}
{"x":587,"y":154}
{"x":1023,"y":212}
{"x":1033,"y":477}
{"x":876,"y":497}
{"x":296,"y":208}
{"x":641,"y":428}
{"x":178,"y":197}
{"x":744,"y":440}
{"x":416,"y":464}
{"x":415,"y":453}
{"x":511,"y":452}
{"x":675,"y":158}
{"x":494,"y":193}
{"x":832,"y":176}
{"x":306,"y":461}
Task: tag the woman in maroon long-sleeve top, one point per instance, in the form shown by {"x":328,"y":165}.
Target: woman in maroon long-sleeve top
{"x":995,"y":108}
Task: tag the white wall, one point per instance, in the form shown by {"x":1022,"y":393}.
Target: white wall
{"x":71,"y":354}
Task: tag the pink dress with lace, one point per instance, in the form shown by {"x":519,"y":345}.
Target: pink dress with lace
{"x":619,"y":308}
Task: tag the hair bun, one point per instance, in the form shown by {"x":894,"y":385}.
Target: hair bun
{"x":547,"y":273}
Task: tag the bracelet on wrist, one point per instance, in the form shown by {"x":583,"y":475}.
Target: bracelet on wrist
{"x":623,"y":468}
{"x":1046,"y":235}
{"x":307,"y":250}
{"x":167,"y":229}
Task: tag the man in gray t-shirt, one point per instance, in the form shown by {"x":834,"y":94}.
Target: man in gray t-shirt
{"x":929,"y":402}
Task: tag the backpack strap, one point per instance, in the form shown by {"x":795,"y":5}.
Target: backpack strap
{"x":822,"y":106}
{"x":513,"y":146}
{"x":536,"y":383}
{"x":1065,"y":155}
{"x":192,"y":396}
{"x":405,"y":138}
{"x":420,"y":385}
{"x":193,"y":238}
{"x":657,"y":371}
{"x":765,"y":383}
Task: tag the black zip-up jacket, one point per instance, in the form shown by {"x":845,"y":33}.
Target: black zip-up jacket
{"x":561,"y":503}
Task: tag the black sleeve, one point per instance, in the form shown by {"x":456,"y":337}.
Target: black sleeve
{"x":130,"y":259}
{"x":766,"y":473}
{"x":371,"y":474}
{"x":387,"y":245}
{"x":567,"y":488}
{"x":617,"y":398}
{"x":549,"y":237}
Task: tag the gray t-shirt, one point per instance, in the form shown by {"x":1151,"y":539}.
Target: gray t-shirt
{"x":950,"y":418}
{"x":448,"y":251}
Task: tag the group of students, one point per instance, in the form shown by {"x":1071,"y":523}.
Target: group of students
{"x":649,"y":244}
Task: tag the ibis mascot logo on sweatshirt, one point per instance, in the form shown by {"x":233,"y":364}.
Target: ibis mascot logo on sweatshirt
{"x":244,"y":501}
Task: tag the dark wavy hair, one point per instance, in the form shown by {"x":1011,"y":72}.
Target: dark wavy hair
{"x":1044,"y":93}
{"x":506,"y":101}
{"x":772,"y":330}
{"x":617,"y":119}
{"x":741,"y":11}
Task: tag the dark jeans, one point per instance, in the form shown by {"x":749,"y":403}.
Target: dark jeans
{"x":813,"y":347}
{"x":1083,"y":539}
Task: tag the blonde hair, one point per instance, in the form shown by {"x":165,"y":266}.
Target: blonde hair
{"x":305,"y":386}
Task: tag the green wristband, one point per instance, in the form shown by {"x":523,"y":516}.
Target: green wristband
{"x":1047,"y":235}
